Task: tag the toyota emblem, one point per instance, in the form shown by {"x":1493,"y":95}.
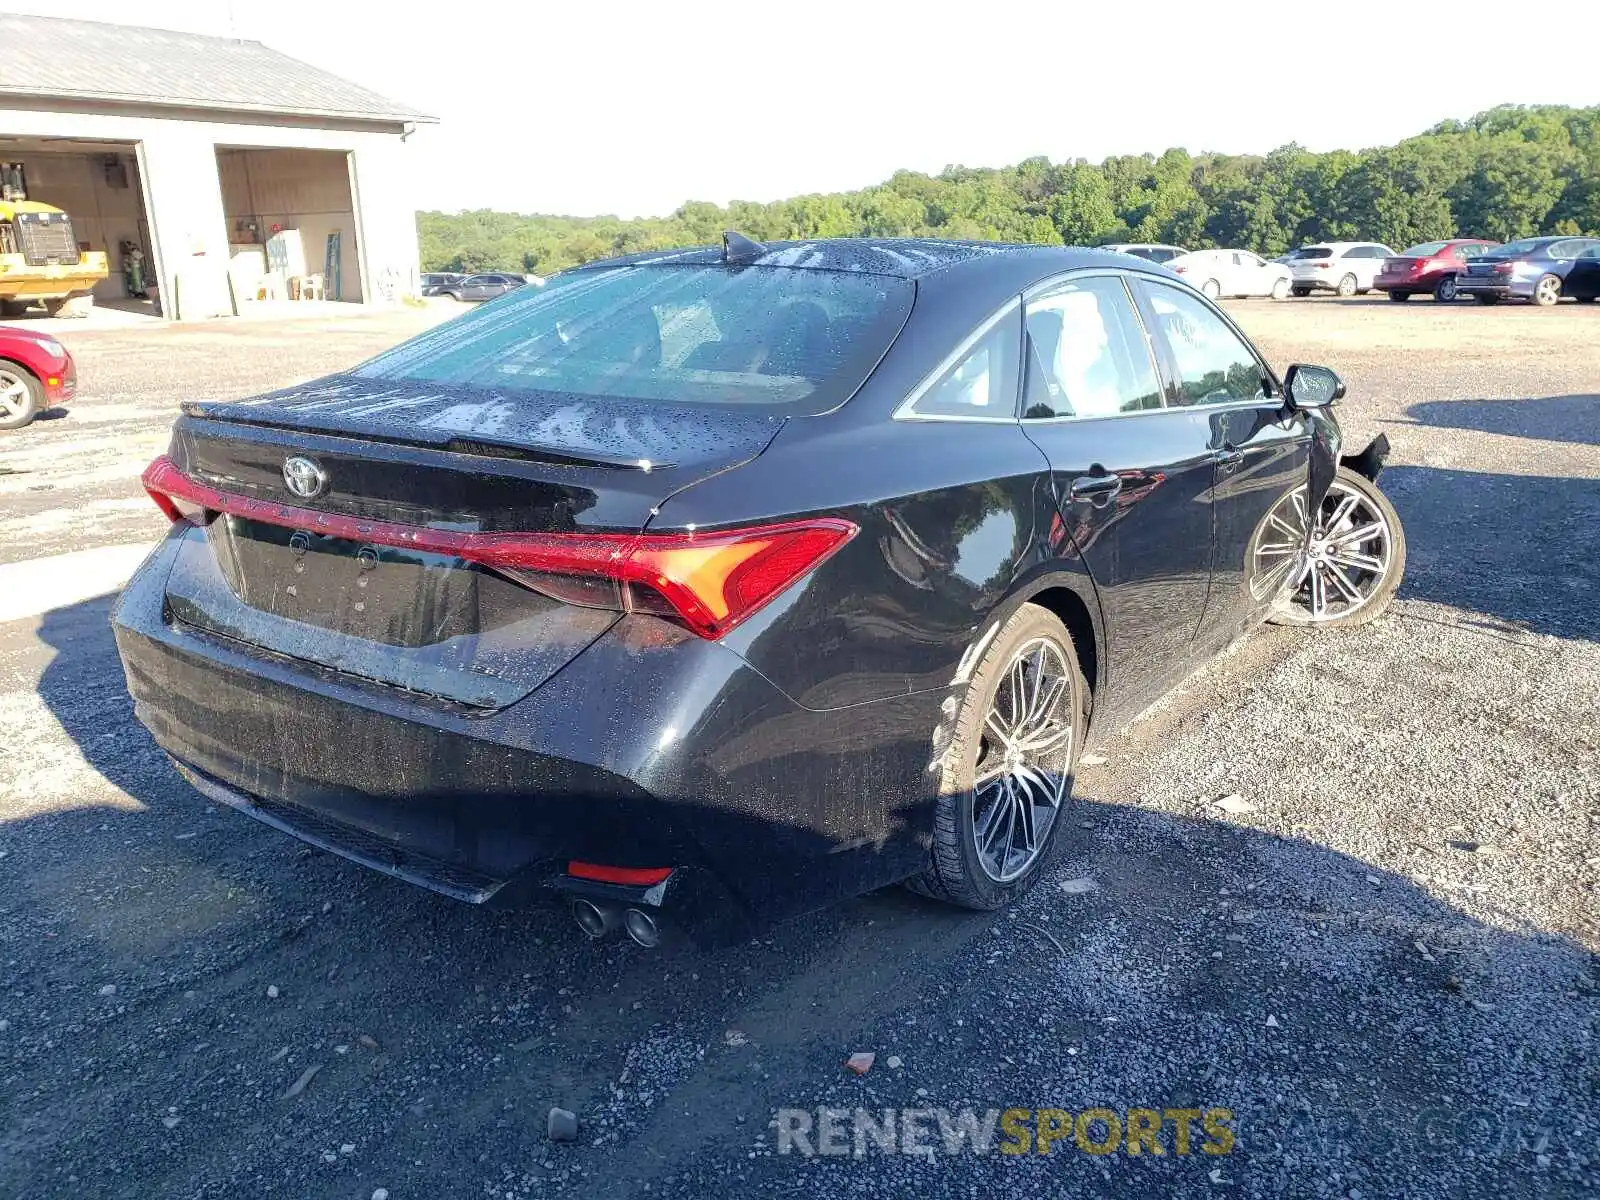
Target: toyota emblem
{"x":304,"y":478}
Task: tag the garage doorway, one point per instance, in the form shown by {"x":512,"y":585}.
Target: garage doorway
{"x":304,"y":195}
{"x":98,"y":185}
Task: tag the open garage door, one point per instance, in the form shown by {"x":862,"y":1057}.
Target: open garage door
{"x":304,"y":195}
{"x":97,"y":185}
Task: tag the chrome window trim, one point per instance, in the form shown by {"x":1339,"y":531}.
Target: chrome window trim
{"x":906,"y":409}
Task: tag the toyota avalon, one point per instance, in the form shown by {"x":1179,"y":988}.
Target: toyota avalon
{"x":738,"y":579}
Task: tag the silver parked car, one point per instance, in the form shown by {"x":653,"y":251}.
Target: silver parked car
{"x":1347,"y":268}
{"x":1158,"y":252}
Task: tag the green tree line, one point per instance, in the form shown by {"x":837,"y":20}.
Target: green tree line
{"x":1510,"y":172}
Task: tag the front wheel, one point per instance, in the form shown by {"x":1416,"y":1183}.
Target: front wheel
{"x":1347,"y":286}
{"x":1547,"y":291}
{"x":21,"y":395}
{"x":1211,"y":289}
{"x":1485,"y":298}
{"x":1302,"y":291}
{"x":1006,"y":774}
{"x":1352,"y":568}
{"x":1280,"y":289}
{"x":1445,"y":291}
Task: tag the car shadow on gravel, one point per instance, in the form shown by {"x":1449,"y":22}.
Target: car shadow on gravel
{"x":1368,"y":1034}
{"x":1522,"y":550}
{"x":1543,"y":418}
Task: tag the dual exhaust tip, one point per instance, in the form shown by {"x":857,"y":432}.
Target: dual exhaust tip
{"x":600,"y":920}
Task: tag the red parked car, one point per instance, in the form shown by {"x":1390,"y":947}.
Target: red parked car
{"x":35,"y":372}
{"x":1430,"y":267}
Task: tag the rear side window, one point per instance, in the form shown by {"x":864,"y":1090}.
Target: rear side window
{"x":669,"y":333}
{"x":1087,"y":354}
{"x":1214,"y":365}
{"x":982,"y":382}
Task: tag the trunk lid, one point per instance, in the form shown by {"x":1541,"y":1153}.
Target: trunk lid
{"x":456,"y":459}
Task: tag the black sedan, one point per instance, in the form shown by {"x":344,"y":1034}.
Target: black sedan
{"x":738,"y":579}
{"x":478,"y":287}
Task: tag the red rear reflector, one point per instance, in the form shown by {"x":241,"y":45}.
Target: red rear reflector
{"x":633,"y":876}
{"x":710,"y":581}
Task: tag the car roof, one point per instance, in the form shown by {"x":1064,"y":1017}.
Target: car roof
{"x":906,"y":258}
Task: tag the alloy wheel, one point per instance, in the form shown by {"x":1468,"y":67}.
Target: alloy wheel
{"x":1344,"y":567}
{"x":1024,"y":760}
{"x":14,"y":395}
{"x":1447,"y":289}
{"x":1548,"y":290}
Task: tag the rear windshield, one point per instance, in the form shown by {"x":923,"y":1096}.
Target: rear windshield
{"x":1423,"y":250}
{"x":1312,"y":252}
{"x":1517,"y":249}
{"x":669,"y":333}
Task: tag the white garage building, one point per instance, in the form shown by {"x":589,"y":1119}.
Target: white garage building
{"x":199,"y":149}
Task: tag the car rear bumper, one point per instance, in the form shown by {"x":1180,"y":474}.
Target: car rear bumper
{"x":1503,"y":289}
{"x":653,"y":748}
{"x":1407,"y":283}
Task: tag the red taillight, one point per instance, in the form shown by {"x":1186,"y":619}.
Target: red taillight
{"x":181,"y":498}
{"x":633,"y":876}
{"x":1323,"y":266}
{"x":710,"y":581}
{"x":1181,"y":270}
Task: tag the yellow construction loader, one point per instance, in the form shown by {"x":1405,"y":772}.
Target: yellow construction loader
{"x":40,"y":262}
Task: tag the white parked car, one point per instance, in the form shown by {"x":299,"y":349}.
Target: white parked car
{"x":1220,"y":273}
{"x":1343,"y":267}
{"x":1154,"y":251}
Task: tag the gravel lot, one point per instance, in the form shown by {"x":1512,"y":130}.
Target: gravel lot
{"x":1386,"y":971}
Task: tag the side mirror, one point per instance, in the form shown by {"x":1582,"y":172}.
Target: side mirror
{"x":1307,"y":386}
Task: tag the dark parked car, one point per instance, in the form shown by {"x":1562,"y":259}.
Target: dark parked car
{"x":1531,"y":269}
{"x":1583,"y":280}
{"x":36,"y":371}
{"x":1431,"y":267}
{"x":482,"y":287}
{"x":434,"y":282}
{"x":734,"y":580}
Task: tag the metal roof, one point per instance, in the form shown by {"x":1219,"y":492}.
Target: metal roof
{"x":55,"y":58}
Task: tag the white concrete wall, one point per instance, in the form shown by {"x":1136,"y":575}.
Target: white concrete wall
{"x":178,"y":164}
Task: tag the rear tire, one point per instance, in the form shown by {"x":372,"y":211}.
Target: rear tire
{"x":1211,"y":290}
{"x":1445,"y":291}
{"x":1399,"y":297}
{"x":1547,"y":291}
{"x":1485,"y":298}
{"x":21,"y":395}
{"x":1280,"y":289}
{"x":1028,"y":778}
{"x":13,"y":308}
{"x":1302,"y":292}
{"x":1347,"y":286}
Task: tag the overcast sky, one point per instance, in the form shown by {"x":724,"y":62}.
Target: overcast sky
{"x":633,"y":108}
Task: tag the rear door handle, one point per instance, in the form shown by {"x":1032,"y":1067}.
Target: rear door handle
{"x":1097,"y":489}
{"x":1228,"y":457}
